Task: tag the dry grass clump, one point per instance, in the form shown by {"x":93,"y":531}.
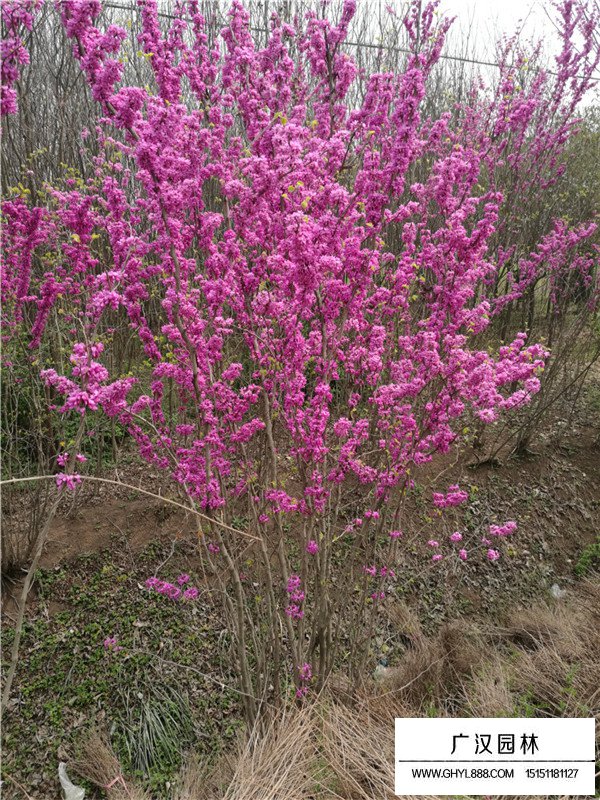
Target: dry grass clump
{"x":488,"y":692}
{"x":433,"y":670}
{"x":543,"y":662}
{"x":358,"y":749}
{"x":277,"y":763}
{"x":98,"y":763}
{"x":561,"y":675}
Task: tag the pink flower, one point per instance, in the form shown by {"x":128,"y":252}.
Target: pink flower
{"x":454,"y":497}
{"x":437,"y":557}
{"x":462,"y":554}
{"x":263,"y":518}
{"x":294,"y":611}
{"x":69,"y":481}
{"x":456,"y":537}
{"x":296,"y":595}
{"x":171,"y":591}
{"x":312,"y":547}
{"x":493,"y":555}
{"x":503,"y":530}
{"x":433,"y":543}
{"x":305,"y":672}
{"x":395,"y":534}
{"x":213,"y":548}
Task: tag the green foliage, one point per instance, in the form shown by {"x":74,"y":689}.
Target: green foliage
{"x":155,"y":727}
{"x":589,"y":559}
{"x":68,"y":682}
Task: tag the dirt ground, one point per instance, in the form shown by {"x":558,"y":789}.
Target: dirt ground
{"x":105,"y":543}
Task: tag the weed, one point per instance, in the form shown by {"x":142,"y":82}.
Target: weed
{"x":589,"y":559}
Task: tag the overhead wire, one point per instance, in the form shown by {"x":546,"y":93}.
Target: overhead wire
{"x":368,"y":45}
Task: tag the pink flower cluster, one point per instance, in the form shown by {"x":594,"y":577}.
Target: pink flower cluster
{"x":63,"y":458}
{"x":453,"y":497}
{"x":172,"y":591}
{"x":503,"y":530}
{"x":296,"y":597}
{"x":17,"y":15}
{"x":305,"y":675}
{"x":382,"y":573}
{"x":500,"y":531}
{"x":68,"y":480}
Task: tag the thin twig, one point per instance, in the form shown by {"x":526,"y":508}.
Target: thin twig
{"x":18,"y":785}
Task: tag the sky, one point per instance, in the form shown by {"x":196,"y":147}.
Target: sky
{"x":485,"y":21}
{"x":489,"y":19}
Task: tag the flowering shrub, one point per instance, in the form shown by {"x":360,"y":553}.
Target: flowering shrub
{"x":17,"y":16}
{"x":311,"y":281}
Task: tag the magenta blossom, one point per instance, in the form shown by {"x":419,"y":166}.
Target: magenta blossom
{"x":454,"y":497}
{"x":110,"y":643}
{"x":171,"y":591}
{"x":68,"y":481}
{"x":503,"y":530}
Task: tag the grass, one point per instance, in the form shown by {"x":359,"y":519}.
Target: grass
{"x":539,"y":663}
{"x":68,"y":683}
{"x":156,"y":725}
{"x":589,"y":559}
{"x":166,"y":692}
{"x":152,"y":701}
